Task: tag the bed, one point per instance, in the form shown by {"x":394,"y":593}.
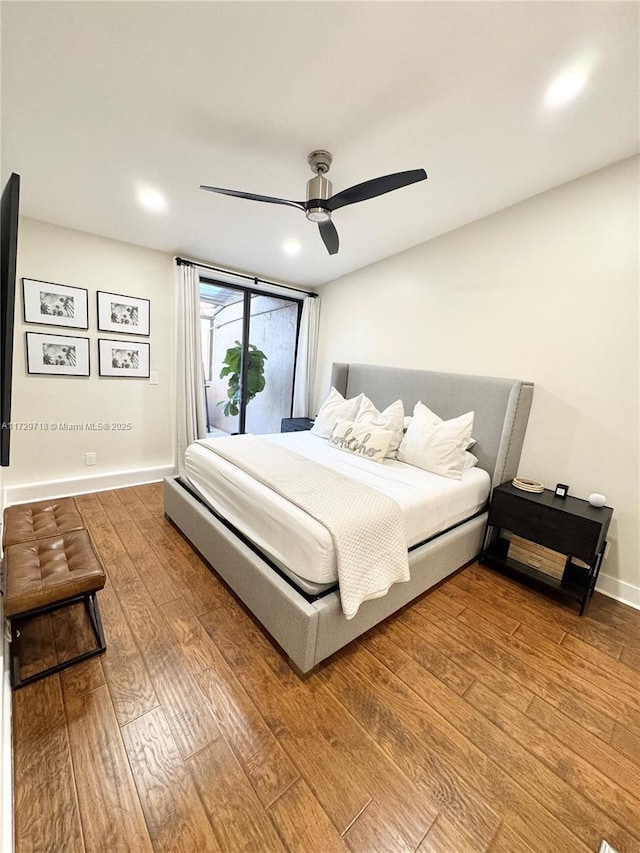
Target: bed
{"x":309,"y":623}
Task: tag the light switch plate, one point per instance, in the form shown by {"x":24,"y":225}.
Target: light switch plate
{"x":153,"y":377}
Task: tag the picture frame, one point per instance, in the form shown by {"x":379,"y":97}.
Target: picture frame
{"x":57,"y":355}
{"x":561,"y":490}
{"x":125,"y":315}
{"x":124,"y":359}
{"x":50,"y":304}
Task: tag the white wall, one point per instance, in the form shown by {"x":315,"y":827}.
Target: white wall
{"x":547,"y":291}
{"x":51,"y":253}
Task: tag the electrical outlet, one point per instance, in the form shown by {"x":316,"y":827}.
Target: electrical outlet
{"x":89,"y":458}
{"x":153,"y":377}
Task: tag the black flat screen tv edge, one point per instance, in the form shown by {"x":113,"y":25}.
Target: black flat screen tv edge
{"x":9,"y":206}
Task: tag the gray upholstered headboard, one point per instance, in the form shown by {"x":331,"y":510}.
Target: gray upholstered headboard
{"x":501,"y":406}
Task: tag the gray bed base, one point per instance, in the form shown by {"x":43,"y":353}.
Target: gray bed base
{"x":311,"y":631}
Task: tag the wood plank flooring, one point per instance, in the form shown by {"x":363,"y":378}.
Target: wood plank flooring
{"x":484,"y":717}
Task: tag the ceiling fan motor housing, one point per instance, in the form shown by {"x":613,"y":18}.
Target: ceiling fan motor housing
{"x":319,"y":189}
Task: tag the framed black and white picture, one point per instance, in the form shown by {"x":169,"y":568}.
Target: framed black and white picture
{"x":123,"y":358}
{"x":57,"y":355}
{"x":561,"y":490}
{"x":124,"y":314}
{"x":55,"y":304}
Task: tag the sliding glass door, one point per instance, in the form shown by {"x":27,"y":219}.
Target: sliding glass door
{"x":221,"y":332}
{"x":249,"y":344}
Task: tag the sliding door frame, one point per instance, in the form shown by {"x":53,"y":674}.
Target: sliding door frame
{"x":248,"y":292}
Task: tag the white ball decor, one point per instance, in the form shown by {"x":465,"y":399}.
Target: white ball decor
{"x":597,"y":500}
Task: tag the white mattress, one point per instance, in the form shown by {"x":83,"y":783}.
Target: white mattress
{"x":293,"y":539}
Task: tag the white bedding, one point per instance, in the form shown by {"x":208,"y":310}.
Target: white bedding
{"x":430,"y":503}
{"x":366,"y":526}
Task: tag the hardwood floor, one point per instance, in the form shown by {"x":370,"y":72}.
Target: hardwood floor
{"x":485,"y":717}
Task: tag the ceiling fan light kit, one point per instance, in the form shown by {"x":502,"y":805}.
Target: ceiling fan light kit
{"x":320,"y":203}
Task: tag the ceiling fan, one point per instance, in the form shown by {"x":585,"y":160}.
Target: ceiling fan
{"x":320,"y":204}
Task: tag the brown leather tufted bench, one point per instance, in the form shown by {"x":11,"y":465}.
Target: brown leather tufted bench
{"x":23,"y":522}
{"x":42,"y":575}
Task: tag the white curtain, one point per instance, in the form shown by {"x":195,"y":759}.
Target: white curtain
{"x":306,"y":360}
{"x":191,"y":417}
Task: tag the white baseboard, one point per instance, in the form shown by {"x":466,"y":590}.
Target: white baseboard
{"x":25,"y":492}
{"x":622,"y":591}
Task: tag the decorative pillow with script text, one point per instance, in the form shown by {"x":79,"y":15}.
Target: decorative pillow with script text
{"x":361,"y":439}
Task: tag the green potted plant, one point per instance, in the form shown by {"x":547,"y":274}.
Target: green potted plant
{"x":233,"y":369}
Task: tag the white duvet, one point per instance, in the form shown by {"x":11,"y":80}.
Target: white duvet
{"x":430,"y":503}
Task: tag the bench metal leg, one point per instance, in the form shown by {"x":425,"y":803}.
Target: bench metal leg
{"x":91,"y":606}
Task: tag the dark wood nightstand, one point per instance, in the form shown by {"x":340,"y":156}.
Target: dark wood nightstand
{"x":570,"y":526}
{"x":295,"y":424}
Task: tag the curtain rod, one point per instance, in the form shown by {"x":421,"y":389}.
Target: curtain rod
{"x":183,"y":262}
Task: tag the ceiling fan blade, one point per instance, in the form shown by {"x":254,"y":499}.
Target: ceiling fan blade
{"x":375,"y":187}
{"x":253,"y":197}
{"x":330,"y":236}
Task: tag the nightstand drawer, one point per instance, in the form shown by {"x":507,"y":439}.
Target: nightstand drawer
{"x":514,"y":514}
{"x":551,"y":526}
{"x":526,"y":526}
{"x":571,"y":535}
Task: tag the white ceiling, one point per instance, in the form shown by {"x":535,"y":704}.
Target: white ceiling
{"x":101,"y":97}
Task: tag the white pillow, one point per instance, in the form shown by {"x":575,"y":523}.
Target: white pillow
{"x":363,"y":440}
{"x":472,"y":440}
{"x":470,"y":461}
{"x":392,"y":419}
{"x":436,"y":445}
{"x":333,"y":408}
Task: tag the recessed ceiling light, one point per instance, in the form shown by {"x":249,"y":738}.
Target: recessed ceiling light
{"x":152,"y":199}
{"x":291,"y":247}
{"x":565,"y":88}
